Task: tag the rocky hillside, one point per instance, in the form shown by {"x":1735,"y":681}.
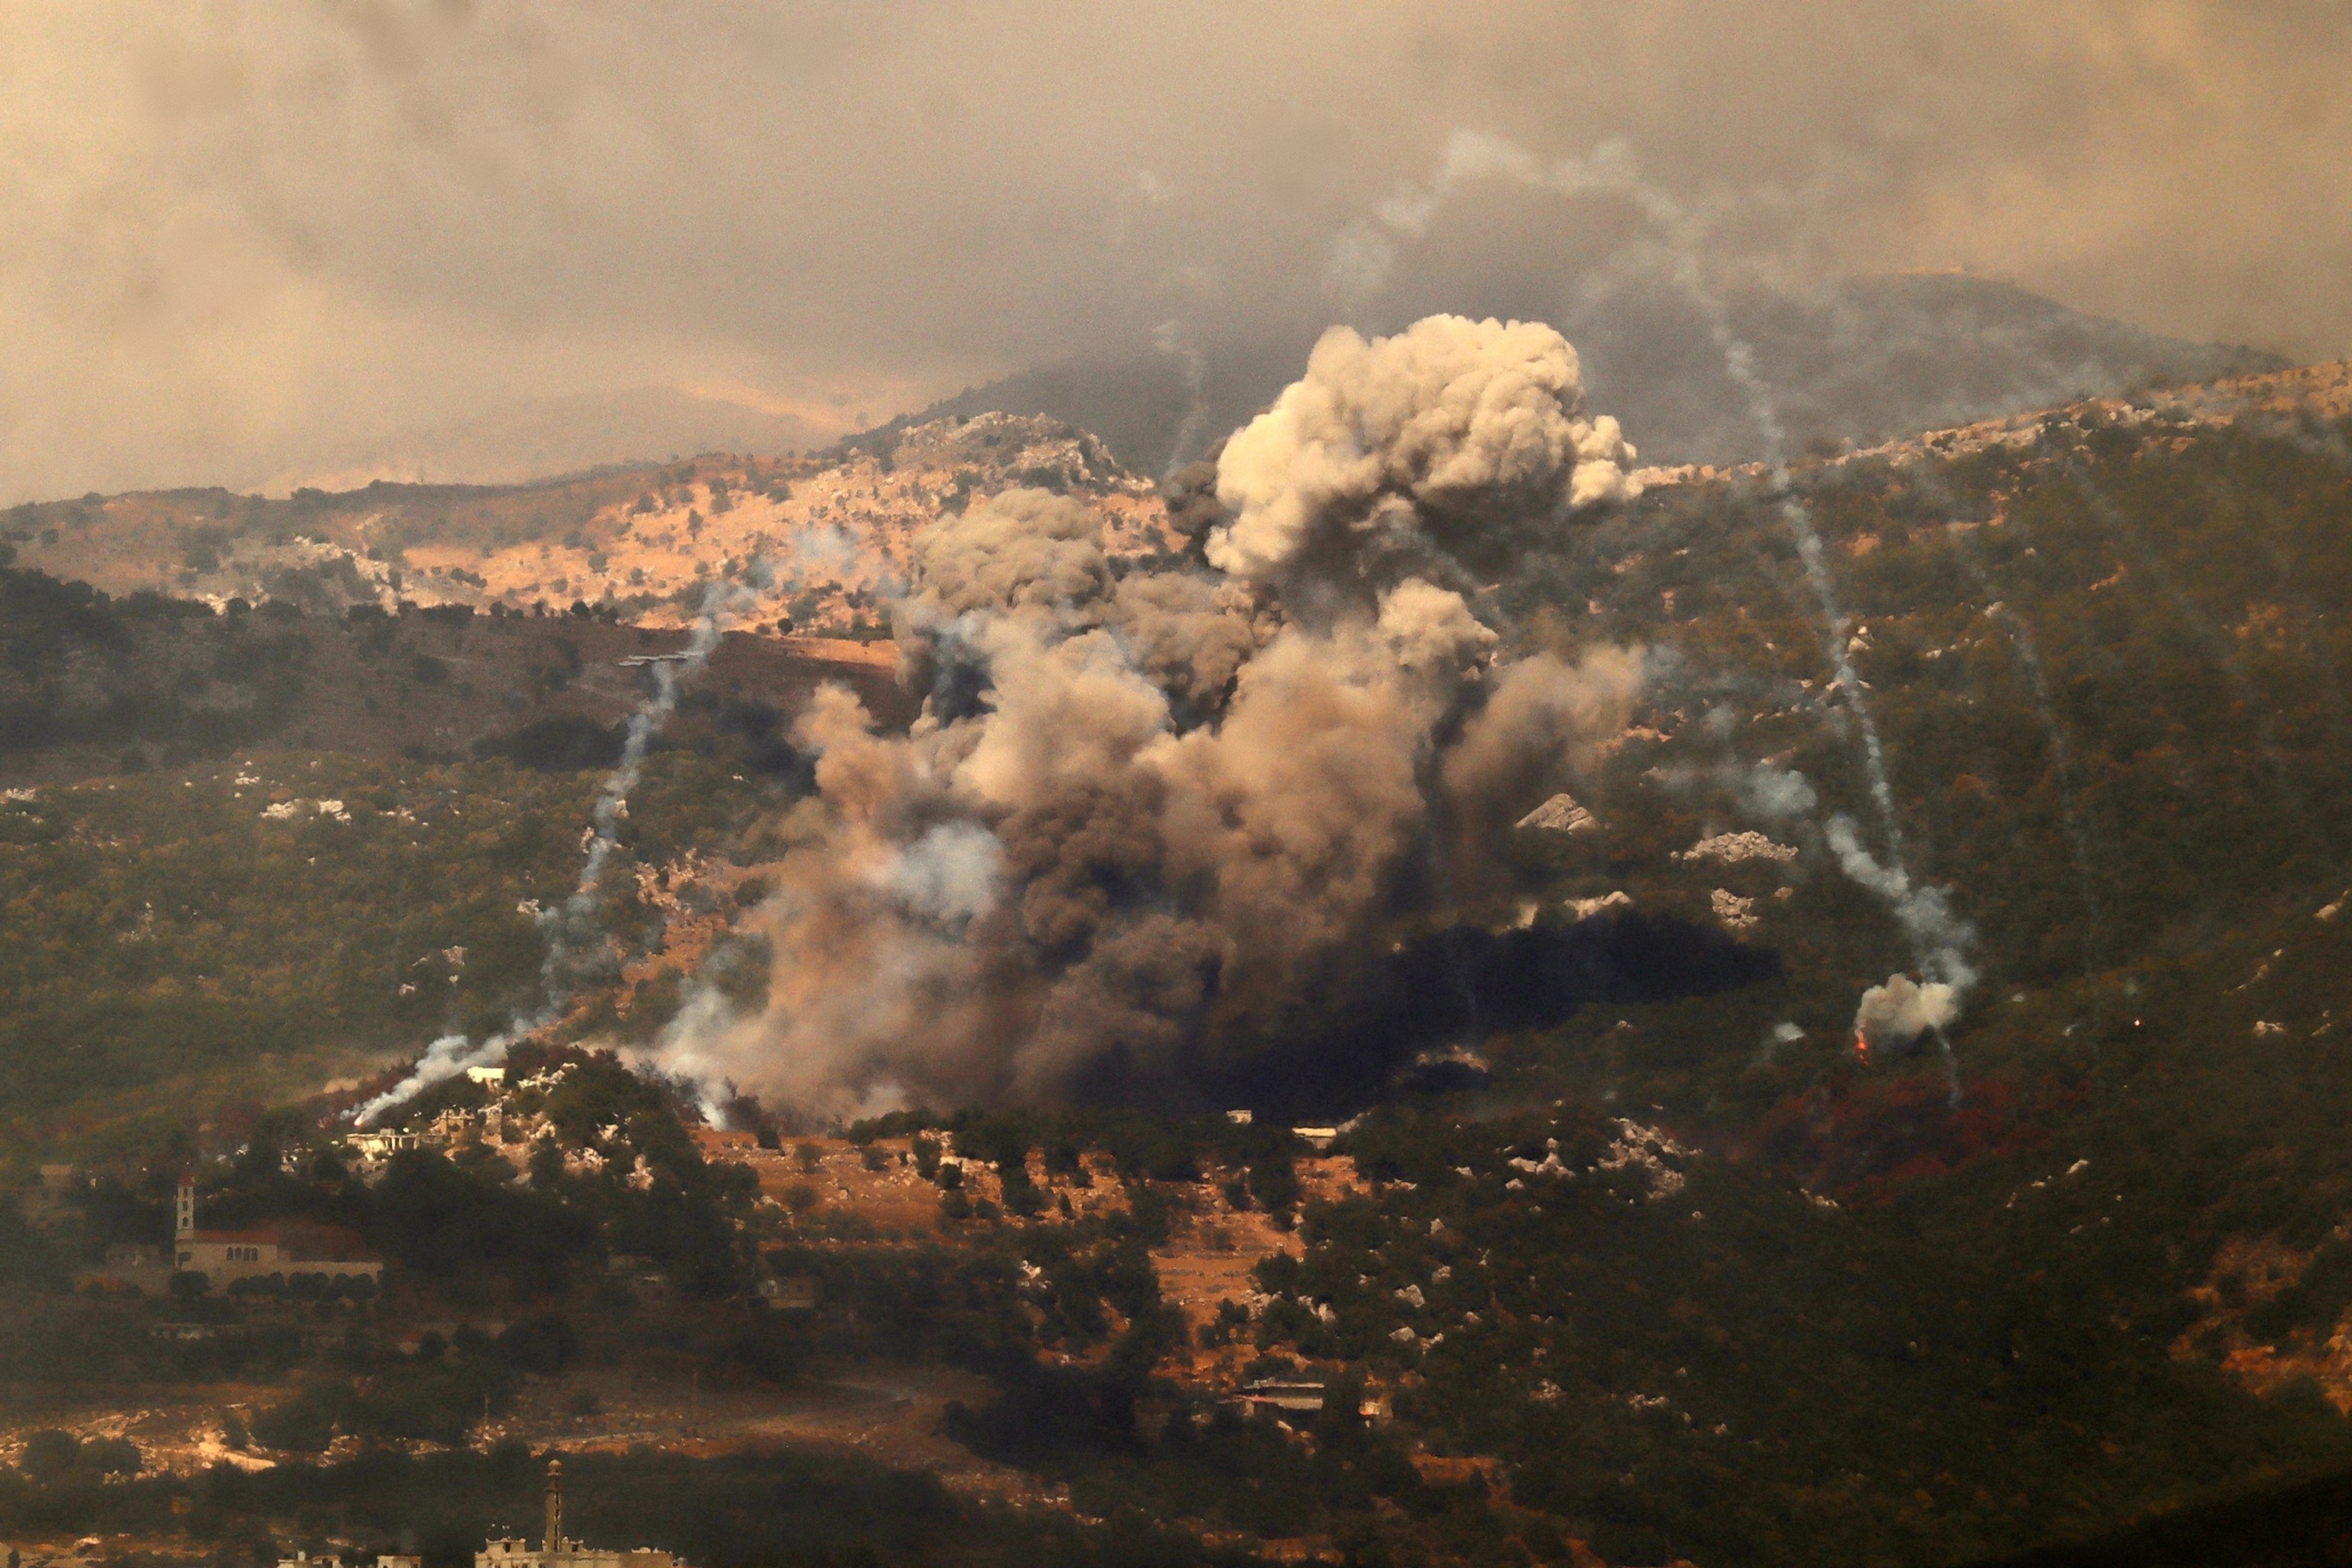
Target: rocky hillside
{"x":814,"y":544}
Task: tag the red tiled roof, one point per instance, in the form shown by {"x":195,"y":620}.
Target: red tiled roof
{"x":300,"y":1243}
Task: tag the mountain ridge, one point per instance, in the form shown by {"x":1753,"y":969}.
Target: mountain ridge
{"x":1861,"y":361}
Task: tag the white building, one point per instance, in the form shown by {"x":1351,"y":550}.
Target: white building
{"x":384,"y":1144}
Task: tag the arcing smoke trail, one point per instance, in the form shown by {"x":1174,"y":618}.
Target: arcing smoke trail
{"x":2064,"y":771}
{"x":572,"y":924}
{"x":1150,"y":822}
{"x":1360,"y":264}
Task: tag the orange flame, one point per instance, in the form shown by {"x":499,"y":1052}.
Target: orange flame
{"x":1860,"y":1048}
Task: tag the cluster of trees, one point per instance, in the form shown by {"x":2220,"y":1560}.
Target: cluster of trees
{"x":433,"y":1394}
{"x":50,"y":1339}
{"x":306,"y":933}
{"x":51,"y":1458}
{"x":78,"y":667}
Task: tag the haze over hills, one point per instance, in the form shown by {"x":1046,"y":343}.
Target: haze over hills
{"x":1861,"y":361}
{"x":534,"y":439}
{"x":1864,"y":360}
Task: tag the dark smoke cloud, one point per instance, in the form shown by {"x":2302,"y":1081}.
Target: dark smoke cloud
{"x":245,"y":242}
{"x":1149,"y":826}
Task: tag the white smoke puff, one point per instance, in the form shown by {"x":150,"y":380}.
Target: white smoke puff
{"x":1904,"y":1009}
{"x":1781,"y":1034}
{"x":1778,"y":793}
{"x":947,"y":876}
{"x":1924,"y":912}
{"x":445,"y":1059}
{"x":1398,"y":432}
{"x":819,"y":554}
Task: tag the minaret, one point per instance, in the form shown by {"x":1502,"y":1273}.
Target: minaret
{"x":183,"y":1209}
{"x":554,"y":1507}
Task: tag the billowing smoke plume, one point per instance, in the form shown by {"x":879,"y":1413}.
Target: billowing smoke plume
{"x":1451,"y":439}
{"x":1151,"y":822}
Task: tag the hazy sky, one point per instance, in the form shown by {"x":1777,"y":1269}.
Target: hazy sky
{"x":239,"y":239}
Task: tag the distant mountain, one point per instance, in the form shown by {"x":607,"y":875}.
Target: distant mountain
{"x":532,"y":439}
{"x":1869,"y":359}
{"x":1861,"y":361}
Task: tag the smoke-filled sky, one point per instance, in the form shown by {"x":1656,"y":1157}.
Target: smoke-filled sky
{"x":243,"y":241}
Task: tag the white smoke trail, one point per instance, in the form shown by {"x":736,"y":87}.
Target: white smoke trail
{"x":1168,"y":339}
{"x":572,"y":925}
{"x":1902,"y":1009}
{"x":1360,"y":263}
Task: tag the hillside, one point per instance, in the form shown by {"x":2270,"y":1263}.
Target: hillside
{"x":91,"y":685}
{"x":1627,"y":1243}
{"x":808,"y":544}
